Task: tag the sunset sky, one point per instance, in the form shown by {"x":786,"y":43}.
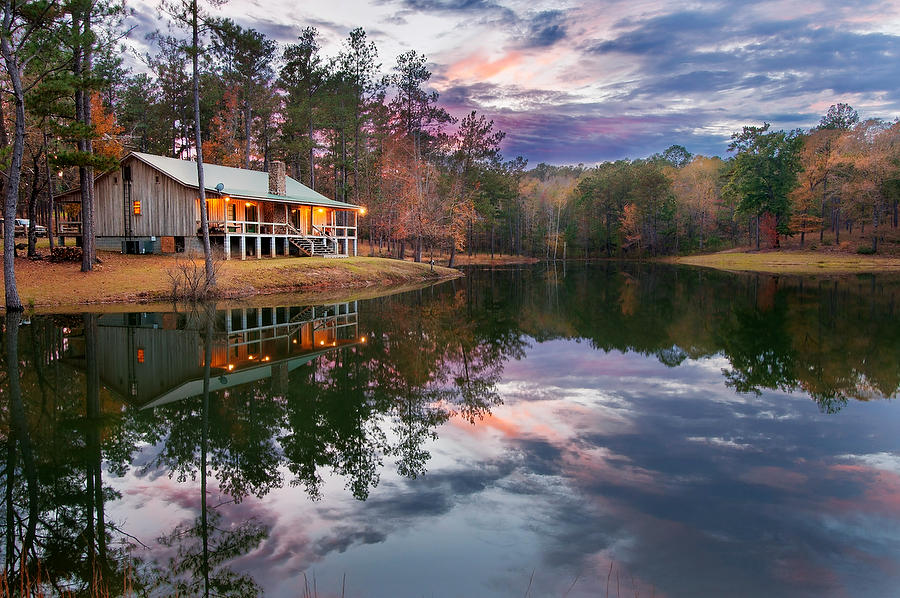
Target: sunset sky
{"x":576,"y":81}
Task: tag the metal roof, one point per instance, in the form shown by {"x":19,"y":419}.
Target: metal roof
{"x":239,"y":183}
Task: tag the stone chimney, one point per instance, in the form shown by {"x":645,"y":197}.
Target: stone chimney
{"x":277,"y":181}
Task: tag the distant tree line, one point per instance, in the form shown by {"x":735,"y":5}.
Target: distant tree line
{"x":842,"y":176}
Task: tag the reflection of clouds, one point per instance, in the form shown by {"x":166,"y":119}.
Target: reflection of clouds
{"x":597,"y":457}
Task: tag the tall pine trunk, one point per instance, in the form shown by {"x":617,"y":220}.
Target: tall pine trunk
{"x":198,"y":139}
{"x":13,"y":303}
{"x":83,"y":70}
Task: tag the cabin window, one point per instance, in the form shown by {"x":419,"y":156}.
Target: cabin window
{"x":140,"y":356}
{"x":251,"y":213}
{"x":232,"y":212}
{"x":157,"y":178}
{"x":179,"y":244}
{"x":136,"y":207}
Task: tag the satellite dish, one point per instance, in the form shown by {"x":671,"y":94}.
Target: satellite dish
{"x":219,"y":187}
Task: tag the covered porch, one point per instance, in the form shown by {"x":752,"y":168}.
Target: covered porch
{"x":256,"y":228}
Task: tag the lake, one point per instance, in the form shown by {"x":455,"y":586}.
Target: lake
{"x":579,"y":430}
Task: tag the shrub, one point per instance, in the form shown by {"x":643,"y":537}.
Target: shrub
{"x":188,"y":278}
{"x":865,"y":250}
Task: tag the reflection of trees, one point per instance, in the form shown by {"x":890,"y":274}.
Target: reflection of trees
{"x":835,"y":339}
{"x":205,"y":547}
{"x":55,"y":523}
{"x":347,"y":410}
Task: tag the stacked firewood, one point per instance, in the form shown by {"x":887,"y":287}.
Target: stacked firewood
{"x":64,"y":254}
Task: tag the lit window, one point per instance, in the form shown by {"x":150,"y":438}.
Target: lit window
{"x":136,"y":205}
{"x":140,"y":355}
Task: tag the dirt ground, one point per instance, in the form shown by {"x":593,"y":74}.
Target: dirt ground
{"x":130,"y":279}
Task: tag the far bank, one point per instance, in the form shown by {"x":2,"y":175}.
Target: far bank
{"x":791,"y":262}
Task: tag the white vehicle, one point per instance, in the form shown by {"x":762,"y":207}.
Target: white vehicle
{"x":22,"y":228}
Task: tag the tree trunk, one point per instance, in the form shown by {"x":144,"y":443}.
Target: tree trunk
{"x":837,"y":223}
{"x":824,"y":203}
{"x":198,"y":140}
{"x":32,"y":204}
{"x":247,"y":117}
{"x":51,"y":222}
{"x":492,"y":238}
{"x":757,"y":232}
{"x":312,"y":157}
{"x":875,"y":218}
{"x":85,"y":145}
{"x":452,"y":260}
{"x":13,"y":303}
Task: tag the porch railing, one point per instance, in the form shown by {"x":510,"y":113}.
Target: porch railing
{"x":246,"y":227}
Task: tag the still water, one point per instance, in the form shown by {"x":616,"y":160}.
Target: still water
{"x":601,"y":430}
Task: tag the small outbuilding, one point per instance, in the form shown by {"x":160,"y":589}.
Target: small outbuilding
{"x":151,"y":205}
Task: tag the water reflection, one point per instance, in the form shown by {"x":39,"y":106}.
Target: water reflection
{"x":176,"y":452}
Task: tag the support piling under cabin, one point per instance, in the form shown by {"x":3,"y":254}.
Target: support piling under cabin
{"x":151,"y":204}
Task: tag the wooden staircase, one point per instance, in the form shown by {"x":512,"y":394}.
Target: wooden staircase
{"x":323,"y":245}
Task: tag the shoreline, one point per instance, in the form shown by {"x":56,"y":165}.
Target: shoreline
{"x":790,"y":261}
{"x":129,"y":280}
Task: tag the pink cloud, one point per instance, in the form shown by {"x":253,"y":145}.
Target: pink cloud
{"x":478,"y":67}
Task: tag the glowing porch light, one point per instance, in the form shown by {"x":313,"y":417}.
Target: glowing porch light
{"x":321,"y":342}
{"x":266,"y":358}
{"x":230,"y":366}
{"x":362,"y":339}
{"x":362,"y":211}
{"x":250,"y":357}
{"x":321,"y":210}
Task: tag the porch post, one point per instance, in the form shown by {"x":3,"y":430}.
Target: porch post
{"x":258,"y":247}
{"x":227,"y":245}
{"x":272,"y":247}
{"x":243,"y":247}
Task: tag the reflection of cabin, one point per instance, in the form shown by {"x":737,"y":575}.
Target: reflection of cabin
{"x":152,"y":359}
{"x":150,"y":204}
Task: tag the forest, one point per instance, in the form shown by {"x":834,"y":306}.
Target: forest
{"x":376,"y":135}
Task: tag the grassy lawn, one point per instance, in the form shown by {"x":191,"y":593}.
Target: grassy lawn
{"x":793,"y":262}
{"x":145,"y":278}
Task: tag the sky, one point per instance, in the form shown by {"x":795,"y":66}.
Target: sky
{"x":575,"y":81}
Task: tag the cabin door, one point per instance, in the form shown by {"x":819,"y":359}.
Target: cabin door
{"x":251,"y":215}
{"x":300,"y":219}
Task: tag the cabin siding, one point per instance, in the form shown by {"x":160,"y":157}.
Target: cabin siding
{"x":167,"y":207}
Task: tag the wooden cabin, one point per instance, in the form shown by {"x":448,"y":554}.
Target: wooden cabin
{"x":151,"y":205}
